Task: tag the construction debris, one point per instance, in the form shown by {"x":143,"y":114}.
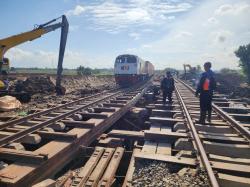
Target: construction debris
{"x":33,"y":85}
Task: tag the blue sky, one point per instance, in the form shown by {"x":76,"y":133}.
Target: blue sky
{"x":166,"y":32}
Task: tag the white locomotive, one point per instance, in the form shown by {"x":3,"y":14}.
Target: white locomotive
{"x":130,"y":69}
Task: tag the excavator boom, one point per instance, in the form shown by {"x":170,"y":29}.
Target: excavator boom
{"x":12,"y":41}
{"x":63,"y":40}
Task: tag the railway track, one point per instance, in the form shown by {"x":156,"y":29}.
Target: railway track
{"x":219,"y":149}
{"x":39,"y":145}
{"x":169,"y":149}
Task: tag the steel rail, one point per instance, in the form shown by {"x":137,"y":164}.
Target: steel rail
{"x":224,"y":115}
{"x":21,"y":134}
{"x":66,"y":153}
{"x":198,"y":143}
{"x":37,"y":114}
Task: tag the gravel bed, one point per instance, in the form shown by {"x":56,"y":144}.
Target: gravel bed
{"x":156,"y":173}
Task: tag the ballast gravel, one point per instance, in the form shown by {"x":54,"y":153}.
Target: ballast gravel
{"x":156,"y":173}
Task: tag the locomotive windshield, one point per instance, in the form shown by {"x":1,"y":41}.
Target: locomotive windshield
{"x":126,"y":59}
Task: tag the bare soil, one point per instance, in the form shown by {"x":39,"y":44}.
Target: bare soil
{"x":233,"y":85}
{"x":42,"y":89}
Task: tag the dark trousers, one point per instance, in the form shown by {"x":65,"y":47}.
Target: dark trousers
{"x":167,"y":94}
{"x":206,"y":101}
{"x":205,"y":105}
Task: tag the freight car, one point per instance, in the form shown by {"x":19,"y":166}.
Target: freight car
{"x":130,"y":69}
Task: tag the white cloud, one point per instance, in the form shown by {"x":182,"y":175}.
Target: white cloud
{"x":171,"y":17}
{"x":135,"y":36}
{"x":78,"y":10}
{"x":146,"y":46}
{"x":212,"y":20}
{"x":232,"y":9}
{"x":221,"y":36}
{"x":114,"y":16}
{"x":212,"y":31}
{"x":182,"y":34}
{"x":138,"y":14}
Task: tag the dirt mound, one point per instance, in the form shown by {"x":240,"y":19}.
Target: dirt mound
{"x":232,"y":84}
{"x":34,"y":85}
{"x":88,"y":84}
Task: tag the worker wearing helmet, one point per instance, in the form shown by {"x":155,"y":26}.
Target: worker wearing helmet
{"x":205,"y":88}
{"x":167,"y":87}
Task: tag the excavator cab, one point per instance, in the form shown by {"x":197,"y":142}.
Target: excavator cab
{"x":5,"y":66}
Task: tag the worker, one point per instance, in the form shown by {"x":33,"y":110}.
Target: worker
{"x":167,"y":87}
{"x":205,"y":88}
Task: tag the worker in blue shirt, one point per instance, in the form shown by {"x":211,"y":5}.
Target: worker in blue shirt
{"x":205,"y":88}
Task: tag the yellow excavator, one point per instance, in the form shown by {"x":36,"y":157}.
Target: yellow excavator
{"x":38,"y":31}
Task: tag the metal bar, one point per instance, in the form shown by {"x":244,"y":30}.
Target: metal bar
{"x":198,"y":143}
{"x":32,"y":129}
{"x":18,"y":121}
{"x":224,"y":115}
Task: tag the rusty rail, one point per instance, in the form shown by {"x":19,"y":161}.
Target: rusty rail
{"x":34,"y":128}
{"x":37,"y":114}
{"x":235,"y":124}
{"x":198,"y":143}
{"x":58,"y":153}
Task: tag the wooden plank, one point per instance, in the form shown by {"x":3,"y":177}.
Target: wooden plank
{"x":233,"y":135}
{"x":241,"y":117}
{"x":233,"y":181}
{"x":155,"y":127}
{"x":165,"y":121}
{"x":104,"y":109}
{"x":164,"y":113}
{"x":132,"y":135}
{"x":214,"y":129}
{"x":228,"y":167}
{"x":100,"y":168}
{"x":128,"y":179}
{"x":164,"y":148}
{"x":163,"y":136}
{"x":219,"y":158}
{"x":25,"y":156}
{"x":78,"y":124}
{"x":109,"y":174}
{"x":29,"y":138}
{"x":231,"y":150}
{"x":113,"y":105}
{"x":57,"y":136}
{"x":149,"y":147}
{"x":94,"y":115}
{"x":82,"y":177}
{"x":46,"y":183}
{"x":223,"y":139}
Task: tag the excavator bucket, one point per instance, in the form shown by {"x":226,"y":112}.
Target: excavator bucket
{"x":64,"y":33}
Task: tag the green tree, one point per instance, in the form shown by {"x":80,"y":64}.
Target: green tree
{"x":243,"y":53}
{"x":87,"y":71}
{"x":81,"y":70}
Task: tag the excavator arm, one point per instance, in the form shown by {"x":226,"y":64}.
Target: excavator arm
{"x":12,"y":41}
